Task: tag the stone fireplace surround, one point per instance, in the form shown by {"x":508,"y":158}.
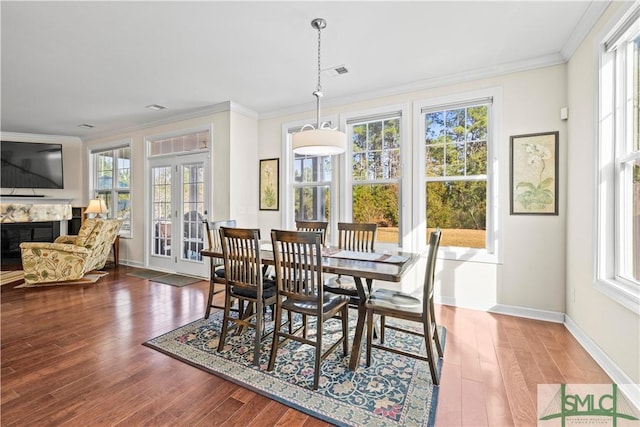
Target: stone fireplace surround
{"x":30,"y":219}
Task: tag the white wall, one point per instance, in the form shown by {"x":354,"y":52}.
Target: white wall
{"x":613,"y":328}
{"x":533,"y":272}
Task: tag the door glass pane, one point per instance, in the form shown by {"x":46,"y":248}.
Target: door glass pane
{"x":192,"y":211}
{"x":161,"y":204}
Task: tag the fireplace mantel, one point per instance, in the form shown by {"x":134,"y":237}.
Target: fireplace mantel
{"x":34,"y":209}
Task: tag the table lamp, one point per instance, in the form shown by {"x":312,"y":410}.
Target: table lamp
{"x":96,"y":207}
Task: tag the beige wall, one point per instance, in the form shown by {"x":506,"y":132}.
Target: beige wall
{"x":72,"y":153}
{"x":243,"y":170}
{"x":532,"y":275}
{"x":234,"y":134}
{"x":613,"y":328}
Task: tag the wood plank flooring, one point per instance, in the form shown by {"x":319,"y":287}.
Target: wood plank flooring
{"x":72,"y":355}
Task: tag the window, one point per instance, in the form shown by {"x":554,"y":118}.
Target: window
{"x":112,"y":182}
{"x":375,"y":173}
{"x":456,"y":141}
{"x":310,"y":185}
{"x":457,"y":173}
{"x":618,"y":248}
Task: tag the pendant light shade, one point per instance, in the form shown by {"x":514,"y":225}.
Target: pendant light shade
{"x":321,"y":140}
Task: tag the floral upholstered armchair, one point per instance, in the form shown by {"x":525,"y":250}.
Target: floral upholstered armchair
{"x":70,"y":257}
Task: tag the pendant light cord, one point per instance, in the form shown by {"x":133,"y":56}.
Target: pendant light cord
{"x":319,"y":87}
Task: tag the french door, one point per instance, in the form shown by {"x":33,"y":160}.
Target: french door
{"x":178,"y":202}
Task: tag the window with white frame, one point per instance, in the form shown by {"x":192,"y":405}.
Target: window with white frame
{"x":618,"y":248}
{"x":312,"y":184}
{"x":456,"y":141}
{"x":112,"y":182}
{"x":376,"y":172}
{"x":456,"y":173}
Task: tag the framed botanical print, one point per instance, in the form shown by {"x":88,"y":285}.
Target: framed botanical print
{"x":269,"y":185}
{"x":534,"y":174}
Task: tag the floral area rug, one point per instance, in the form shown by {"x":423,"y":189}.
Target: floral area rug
{"x":394,"y":391}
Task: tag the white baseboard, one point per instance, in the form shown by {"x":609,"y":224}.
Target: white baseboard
{"x":131,"y":263}
{"x":529,"y":313}
{"x":625,"y":384}
{"x":455,"y":302}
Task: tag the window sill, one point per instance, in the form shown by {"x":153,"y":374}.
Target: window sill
{"x":621,"y":292}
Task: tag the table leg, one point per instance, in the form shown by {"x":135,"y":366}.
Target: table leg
{"x":362,"y":314}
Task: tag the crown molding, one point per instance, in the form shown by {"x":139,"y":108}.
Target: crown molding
{"x":587,"y":21}
{"x":221,"y":107}
{"x":33,"y":137}
{"x":451,"y":79}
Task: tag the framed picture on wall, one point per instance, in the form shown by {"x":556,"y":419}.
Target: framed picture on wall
{"x":269,"y":185}
{"x":534,"y":174}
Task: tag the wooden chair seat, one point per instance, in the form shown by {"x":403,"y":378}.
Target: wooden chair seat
{"x":396,"y":301}
{"x":330,"y":302}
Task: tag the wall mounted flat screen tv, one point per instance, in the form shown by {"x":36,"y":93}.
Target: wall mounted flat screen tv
{"x":30,"y":165}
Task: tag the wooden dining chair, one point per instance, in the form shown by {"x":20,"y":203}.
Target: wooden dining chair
{"x":388,"y":303}
{"x":317,"y":226}
{"x":298,"y":261}
{"x":216,"y":277}
{"x":352,"y":237}
{"x":244,"y":281}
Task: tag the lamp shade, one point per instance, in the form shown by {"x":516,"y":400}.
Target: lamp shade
{"x":319,"y":142}
{"x":96,"y":206}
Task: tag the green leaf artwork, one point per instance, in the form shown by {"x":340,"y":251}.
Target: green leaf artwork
{"x":534,"y":173}
{"x":268,"y":184}
{"x":536,"y":195}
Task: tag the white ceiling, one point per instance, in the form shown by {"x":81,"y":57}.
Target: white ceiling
{"x":67,"y":63}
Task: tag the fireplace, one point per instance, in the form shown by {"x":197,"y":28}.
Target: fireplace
{"x":24,"y":219}
{"x":12,"y":234}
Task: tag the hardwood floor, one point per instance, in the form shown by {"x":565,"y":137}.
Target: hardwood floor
{"x":72,"y":355}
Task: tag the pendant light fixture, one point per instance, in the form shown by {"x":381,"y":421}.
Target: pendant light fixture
{"x":321,"y":140}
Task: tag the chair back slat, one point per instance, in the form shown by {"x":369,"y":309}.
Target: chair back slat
{"x":357,"y":236}
{"x":429,"y":275}
{"x":317,"y":226}
{"x":298,"y":260}
{"x":242,"y":262}
{"x":213,"y":237}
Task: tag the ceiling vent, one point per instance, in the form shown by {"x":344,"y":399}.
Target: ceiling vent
{"x":337,"y":70}
{"x":155,"y":107}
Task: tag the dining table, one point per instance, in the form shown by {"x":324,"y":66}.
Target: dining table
{"x":364,"y":267}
